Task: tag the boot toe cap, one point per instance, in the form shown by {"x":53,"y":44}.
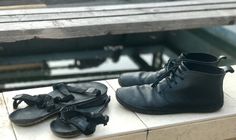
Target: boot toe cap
{"x":127,"y":97}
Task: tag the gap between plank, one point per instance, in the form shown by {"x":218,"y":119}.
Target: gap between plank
{"x":31,"y":6}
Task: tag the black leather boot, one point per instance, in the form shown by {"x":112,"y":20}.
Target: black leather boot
{"x":189,"y":88}
{"x":140,"y":78}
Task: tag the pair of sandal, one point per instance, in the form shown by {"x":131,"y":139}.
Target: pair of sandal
{"x":79,"y":108}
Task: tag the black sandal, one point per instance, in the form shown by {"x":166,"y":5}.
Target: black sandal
{"x":41,"y":107}
{"x":74,"y":120}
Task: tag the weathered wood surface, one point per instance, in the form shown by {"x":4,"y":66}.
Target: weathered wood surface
{"x":56,"y":3}
{"x":114,"y":19}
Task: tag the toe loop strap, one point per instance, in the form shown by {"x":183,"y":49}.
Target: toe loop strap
{"x":41,"y":101}
{"x":28,"y":99}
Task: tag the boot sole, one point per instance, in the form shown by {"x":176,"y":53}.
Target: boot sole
{"x":163,"y":111}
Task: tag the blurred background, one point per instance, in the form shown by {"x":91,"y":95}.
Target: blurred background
{"x":42,"y":62}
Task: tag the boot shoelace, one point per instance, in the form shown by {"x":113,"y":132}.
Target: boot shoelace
{"x":173,"y":75}
{"x":171,"y":68}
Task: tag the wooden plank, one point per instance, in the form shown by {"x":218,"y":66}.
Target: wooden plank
{"x":115,"y":25}
{"x":6,"y":130}
{"x":115,"y":7}
{"x":103,"y":20}
{"x":19,"y":2}
{"x":52,"y":3}
{"x":92,"y":14}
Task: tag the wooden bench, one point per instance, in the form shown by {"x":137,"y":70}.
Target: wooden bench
{"x":84,"y":21}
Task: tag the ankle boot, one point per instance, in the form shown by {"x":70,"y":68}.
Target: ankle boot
{"x":190,"y":88}
{"x":140,"y":78}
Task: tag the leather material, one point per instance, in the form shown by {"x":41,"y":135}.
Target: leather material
{"x":191,"y":88}
{"x":140,"y":78}
{"x":74,"y":120}
{"x":42,"y":107}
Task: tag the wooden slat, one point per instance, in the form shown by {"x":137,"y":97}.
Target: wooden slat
{"x":115,"y":7}
{"x":92,"y":14}
{"x":115,"y":25}
{"x":103,"y":20}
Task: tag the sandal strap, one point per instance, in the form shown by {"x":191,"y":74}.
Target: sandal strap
{"x":28,"y":99}
{"x":87,"y":124}
{"x":65,"y":90}
{"x":90,"y":120}
{"x":48,"y":102}
{"x":90,"y":124}
{"x":89,"y":91}
{"x":62,"y":88}
{"x":41,"y":101}
{"x":76,"y":108}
